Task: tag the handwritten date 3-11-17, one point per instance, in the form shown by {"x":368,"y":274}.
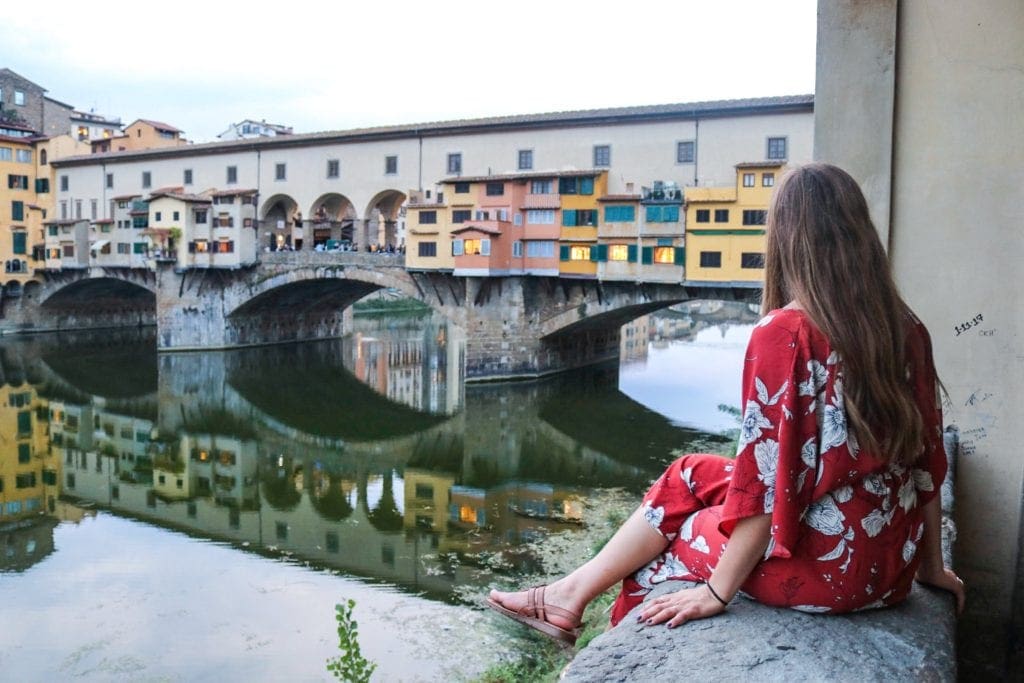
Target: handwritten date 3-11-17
{"x":963,"y":327}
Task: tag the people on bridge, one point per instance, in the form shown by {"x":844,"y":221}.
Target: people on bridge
{"x":832,"y":502}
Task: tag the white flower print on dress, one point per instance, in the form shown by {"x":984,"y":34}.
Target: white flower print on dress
{"x":766,"y":454}
{"x":824,"y":515}
{"x":762,"y":392}
{"x":687,"y":477}
{"x":686,"y":530}
{"x":908,"y":494}
{"x":671,"y":568}
{"x":816,"y":381}
{"x":764,"y":321}
{"x":833,"y":359}
{"x":753,"y":423}
{"x":923,"y":480}
{"x":700,"y":544}
{"x":875,"y":483}
{"x":654,"y":515}
{"x":876,"y":521}
{"x":833,"y":421}
{"x":843,"y":494}
{"x":814,"y":609}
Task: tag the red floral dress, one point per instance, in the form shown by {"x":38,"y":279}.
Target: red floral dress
{"x":844,"y":525}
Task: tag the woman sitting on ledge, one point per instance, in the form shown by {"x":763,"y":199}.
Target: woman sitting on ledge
{"x":832,"y":502}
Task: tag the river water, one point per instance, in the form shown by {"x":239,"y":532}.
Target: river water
{"x":197,"y":516}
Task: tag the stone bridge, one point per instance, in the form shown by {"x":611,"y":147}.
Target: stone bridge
{"x":516,"y":326}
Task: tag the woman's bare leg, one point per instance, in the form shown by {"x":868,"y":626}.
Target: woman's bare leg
{"x":635,"y":544}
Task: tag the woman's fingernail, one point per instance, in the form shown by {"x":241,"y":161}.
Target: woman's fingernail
{"x":671,"y":625}
{"x":650,"y":622}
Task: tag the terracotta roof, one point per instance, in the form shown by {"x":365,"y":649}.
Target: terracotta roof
{"x":103,"y":221}
{"x":417,"y":231}
{"x":156,"y":124}
{"x":774,"y":163}
{"x":192,"y":198}
{"x":63,"y":221}
{"x":14,"y":138}
{"x":619,"y":198}
{"x":478,"y":228}
{"x":618,"y":115}
{"x":527,"y":175}
{"x":230,"y":193}
{"x":125,"y":196}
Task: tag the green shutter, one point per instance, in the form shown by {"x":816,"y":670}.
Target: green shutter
{"x":566,"y":186}
{"x":631,"y":253}
{"x":593,"y":253}
{"x":647,"y":255}
{"x":680,"y":257}
{"x":653,"y":214}
{"x":563,"y":252}
{"x":139,"y":248}
{"x":17,"y":211}
{"x":569,"y":217}
{"x":671,"y":214}
{"x":19,"y":242}
{"x":602,"y":252}
{"x":25,"y":422}
{"x":586,"y":186}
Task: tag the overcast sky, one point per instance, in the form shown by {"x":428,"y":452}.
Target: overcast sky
{"x":320,"y":66}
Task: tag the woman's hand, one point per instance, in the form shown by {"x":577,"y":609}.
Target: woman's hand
{"x":946,"y":579}
{"x":676,"y":608}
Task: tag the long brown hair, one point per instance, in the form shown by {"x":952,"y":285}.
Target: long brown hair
{"x":823,"y":252}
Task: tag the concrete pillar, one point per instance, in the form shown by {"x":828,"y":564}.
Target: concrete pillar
{"x":957,"y":168}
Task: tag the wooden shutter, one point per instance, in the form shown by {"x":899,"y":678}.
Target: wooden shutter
{"x":647,"y":255}
{"x":631,"y":253}
{"x":569,"y":217}
{"x":680,"y":256}
{"x":563,"y":252}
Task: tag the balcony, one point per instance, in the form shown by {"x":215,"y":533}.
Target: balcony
{"x":542,"y":201}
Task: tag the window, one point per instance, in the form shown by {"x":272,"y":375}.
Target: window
{"x":333,"y":168}
{"x":710,"y":259}
{"x":684,"y":152}
{"x":42,"y":185}
{"x":602,"y":156}
{"x":17,"y":182}
{"x":281,"y":531}
{"x":200,"y":216}
{"x":17,"y":211}
{"x":517,"y":218}
{"x":428,"y":249}
{"x":619,"y":214}
{"x":579,"y":253}
{"x":541,"y":187}
{"x":93,"y":209}
{"x":751,"y":260}
{"x":158,"y":216}
{"x":748,"y":180}
{"x":42,"y":157}
{"x":703,"y":215}
{"x":428,"y":217}
{"x":5,"y":154}
{"x":226,"y":247}
{"x":456,"y":247}
{"x":25,"y":481}
{"x":768,"y":180}
{"x":477,"y":247}
{"x":63,"y":181}
{"x":19,"y":98}
{"x":721,"y":215}
{"x":754,"y":217}
{"x":280,"y":171}
{"x":461,"y":188}
{"x":618,"y":252}
{"x":776,"y":148}
{"x":495,"y":189}
{"x":232,"y":173}
{"x":331,"y":541}
{"x":64,"y":209}
{"x":517,"y":249}
{"x":391,"y":164}
{"x":176,"y":216}
{"x":461,"y":215}
{"x":665,"y":255}
{"x":23,"y":156}
{"x":147,"y":179}
{"x":524,"y":160}
{"x":455,"y":163}
{"x":579,"y":217}
{"x":186,"y":176}
{"x":540,"y":249}
{"x":78,"y":209}
{"x":139,"y":248}
{"x":19,"y":239}
{"x":583,"y":186}
{"x":540,"y":216}
{"x":110,"y":181}
{"x":661,"y":214}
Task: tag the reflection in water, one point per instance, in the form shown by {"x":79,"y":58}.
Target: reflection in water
{"x":365,"y":455}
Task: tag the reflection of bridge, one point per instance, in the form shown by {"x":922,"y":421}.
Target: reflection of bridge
{"x":316,"y":478}
{"x":515,"y":326}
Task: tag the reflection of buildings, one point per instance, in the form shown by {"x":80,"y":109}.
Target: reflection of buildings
{"x":633,"y":340}
{"x":684,"y":321}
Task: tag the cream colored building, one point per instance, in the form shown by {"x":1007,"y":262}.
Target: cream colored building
{"x":366,"y":176}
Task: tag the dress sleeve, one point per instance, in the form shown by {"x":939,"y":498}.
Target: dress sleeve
{"x":930,"y":469}
{"x":776,"y":457}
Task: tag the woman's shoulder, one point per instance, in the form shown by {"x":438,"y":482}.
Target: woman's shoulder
{"x":792,"y":322}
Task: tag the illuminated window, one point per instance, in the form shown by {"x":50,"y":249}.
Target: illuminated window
{"x":577,"y":253}
{"x":83,"y":132}
{"x":618,"y":252}
{"x":201,"y":246}
{"x":467,"y":514}
{"x":477,"y":247}
{"x":225,"y":247}
{"x":664,"y":255}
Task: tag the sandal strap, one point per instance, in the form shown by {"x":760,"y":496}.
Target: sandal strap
{"x":537,"y":608}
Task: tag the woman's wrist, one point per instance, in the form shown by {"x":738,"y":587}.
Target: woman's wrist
{"x":718,"y":598}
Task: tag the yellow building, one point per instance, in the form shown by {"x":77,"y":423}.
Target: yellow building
{"x":29,"y":473}
{"x":141,"y":134}
{"x":20,"y":216}
{"x":428,"y":232}
{"x":725,"y":227}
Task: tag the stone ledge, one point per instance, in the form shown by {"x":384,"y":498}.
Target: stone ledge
{"x":913,"y":641}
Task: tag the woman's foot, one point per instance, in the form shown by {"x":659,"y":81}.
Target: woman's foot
{"x":561,"y":607}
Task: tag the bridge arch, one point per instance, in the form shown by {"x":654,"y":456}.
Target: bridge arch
{"x":279,"y":219}
{"x":382,"y":215}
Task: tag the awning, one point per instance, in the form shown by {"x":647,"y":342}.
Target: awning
{"x":98,"y":244}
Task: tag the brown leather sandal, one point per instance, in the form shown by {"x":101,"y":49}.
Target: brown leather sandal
{"x":535,"y":615}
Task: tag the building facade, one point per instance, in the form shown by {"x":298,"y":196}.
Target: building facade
{"x":250,"y":128}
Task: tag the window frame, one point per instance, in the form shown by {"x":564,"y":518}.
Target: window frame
{"x":391,"y":164}
{"x":777,"y":140}
{"x":602,"y":156}
{"x":333,"y":168}
{"x":280,"y":171}
{"x":454,"y":163}
{"x":749,"y":180}
{"x":711,"y":256}
{"x":691,"y":145}
{"x":524,"y":155}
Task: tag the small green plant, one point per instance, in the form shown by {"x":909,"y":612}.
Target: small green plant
{"x":350,"y":665}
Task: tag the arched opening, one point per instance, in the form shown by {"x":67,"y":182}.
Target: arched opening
{"x":331,"y":224}
{"x":281,"y":224}
{"x":385,"y":220}
{"x":384,"y":514}
{"x":279,"y":487}
{"x":332,"y":497}
{"x":101,"y":295}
